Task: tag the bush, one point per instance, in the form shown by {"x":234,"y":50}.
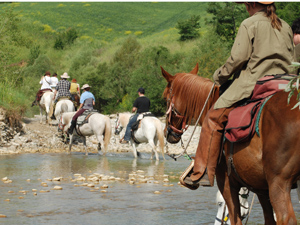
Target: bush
{"x":189,"y":29}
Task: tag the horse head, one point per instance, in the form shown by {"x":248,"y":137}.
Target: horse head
{"x":118,"y":125}
{"x":176,"y":122}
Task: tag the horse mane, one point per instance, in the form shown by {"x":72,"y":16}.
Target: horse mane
{"x":191,"y":91}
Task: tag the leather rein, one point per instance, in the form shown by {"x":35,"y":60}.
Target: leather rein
{"x":172,"y":110}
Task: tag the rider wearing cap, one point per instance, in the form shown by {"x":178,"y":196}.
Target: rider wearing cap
{"x":140,"y":105}
{"x":263,"y":46}
{"x":87,"y":101}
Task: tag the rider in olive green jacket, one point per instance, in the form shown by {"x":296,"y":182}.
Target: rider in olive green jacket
{"x":255,"y":53}
{"x":263,"y":46}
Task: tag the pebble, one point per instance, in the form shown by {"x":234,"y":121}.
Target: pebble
{"x":104,"y":186}
{"x":2,"y":216}
{"x":57,"y":179}
{"x":157,"y":192}
{"x":57,"y":188}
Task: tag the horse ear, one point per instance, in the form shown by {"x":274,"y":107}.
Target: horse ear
{"x":195,"y":70}
{"x":166,"y":75}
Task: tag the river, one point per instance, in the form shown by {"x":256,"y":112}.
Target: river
{"x":155,"y":199}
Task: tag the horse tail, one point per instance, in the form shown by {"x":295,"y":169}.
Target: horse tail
{"x":64,"y":107}
{"x":107,"y":134}
{"x":160,"y":136}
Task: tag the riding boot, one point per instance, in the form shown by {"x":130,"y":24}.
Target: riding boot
{"x":208,"y":149}
{"x":73,"y":124}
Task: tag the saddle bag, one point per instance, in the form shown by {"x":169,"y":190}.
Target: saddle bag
{"x":243,"y":119}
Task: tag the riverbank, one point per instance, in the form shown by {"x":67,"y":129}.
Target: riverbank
{"x":44,"y":138}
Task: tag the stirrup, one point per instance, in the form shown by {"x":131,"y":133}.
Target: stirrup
{"x":186,"y":177}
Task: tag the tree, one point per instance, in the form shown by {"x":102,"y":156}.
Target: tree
{"x":226,"y":18}
{"x":288,"y":11}
{"x":189,"y":29}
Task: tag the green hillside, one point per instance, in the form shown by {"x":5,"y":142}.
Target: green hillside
{"x":120,"y":46}
{"x":110,"y":20}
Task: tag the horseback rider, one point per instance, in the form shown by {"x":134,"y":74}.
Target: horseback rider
{"x":45,"y":82}
{"x":263,"y":46}
{"x":54,"y":81}
{"x":140,"y":105}
{"x":63,"y":89}
{"x":75,"y":92}
{"x":87,"y":101}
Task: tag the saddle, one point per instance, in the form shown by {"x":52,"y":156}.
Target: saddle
{"x":243,"y":120}
{"x":41,"y":92}
{"x":84,"y":117}
{"x":136,"y":125}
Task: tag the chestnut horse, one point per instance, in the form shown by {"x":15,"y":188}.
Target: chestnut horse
{"x":268,"y":164}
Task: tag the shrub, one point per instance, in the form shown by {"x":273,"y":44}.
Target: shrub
{"x":189,"y":29}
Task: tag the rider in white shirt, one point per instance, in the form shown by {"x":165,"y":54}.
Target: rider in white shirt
{"x":54,"y":81}
{"x":45,"y":82}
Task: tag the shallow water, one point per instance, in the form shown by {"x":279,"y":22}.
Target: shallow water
{"x":123,"y":203}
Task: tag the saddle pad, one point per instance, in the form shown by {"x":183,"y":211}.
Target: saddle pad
{"x":83,"y":118}
{"x":241,"y":120}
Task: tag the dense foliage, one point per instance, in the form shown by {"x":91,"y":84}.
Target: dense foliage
{"x":116,"y":62}
{"x":189,"y":29}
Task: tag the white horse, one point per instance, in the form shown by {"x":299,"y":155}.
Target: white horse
{"x":62,"y":106}
{"x":46,"y":104}
{"x":98,"y":124}
{"x":150,"y":131}
{"x":223,"y":215}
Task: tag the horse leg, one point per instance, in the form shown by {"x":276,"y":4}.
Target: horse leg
{"x":267,"y":209}
{"x":71,"y":142}
{"x":41,"y":115}
{"x":100,"y":143}
{"x":153,"y":146}
{"x":84,"y":143}
{"x":280,"y":197}
{"x":230,"y":193}
{"x":134,"y":149}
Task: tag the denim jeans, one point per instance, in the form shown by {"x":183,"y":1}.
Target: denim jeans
{"x":128,"y":128}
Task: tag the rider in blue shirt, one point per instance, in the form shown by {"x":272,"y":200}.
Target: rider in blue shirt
{"x":87,"y":101}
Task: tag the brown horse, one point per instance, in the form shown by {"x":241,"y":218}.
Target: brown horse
{"x":268,"y":165}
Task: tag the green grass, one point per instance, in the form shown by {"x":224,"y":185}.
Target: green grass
{"x":110,"y":20}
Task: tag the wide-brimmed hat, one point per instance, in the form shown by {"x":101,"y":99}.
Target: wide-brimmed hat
{"x":65,"y":75}
{"x":141,"y":90}
{"x":47,"y":73}
{"x":86,"y":86}
{"x":266,"y":3}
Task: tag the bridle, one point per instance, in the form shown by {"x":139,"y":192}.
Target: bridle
{"x":118,"y":127}
{"x":177,"y":133}
{"x":172,"y":130}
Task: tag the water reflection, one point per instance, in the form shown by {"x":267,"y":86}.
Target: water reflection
{"x":122,"y":203}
